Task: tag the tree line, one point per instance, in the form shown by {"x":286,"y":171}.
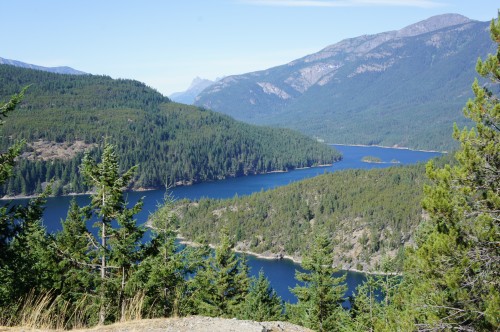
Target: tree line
{"x":450,"y":277}
{"x":172,"y":143}
{"x":371,"y":212}
{"x":79,"y":278}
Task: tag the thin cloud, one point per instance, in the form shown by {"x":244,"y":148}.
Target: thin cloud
{"x":346,"y":3}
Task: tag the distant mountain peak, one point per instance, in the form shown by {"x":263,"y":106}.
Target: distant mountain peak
{"x":432,"y":24}
{"x":58,"y":70}
{"x":188,"y":97}
{"x":365,"y":43}
{"x":349,"y":91}
{"x":197,"y":81}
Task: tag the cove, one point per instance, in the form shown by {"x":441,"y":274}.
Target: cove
{"x":280,"y":273}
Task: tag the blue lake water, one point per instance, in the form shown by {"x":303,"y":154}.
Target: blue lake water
{"x":279,"y":272}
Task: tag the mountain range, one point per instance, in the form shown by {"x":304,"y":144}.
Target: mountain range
{"x":57,"y":70}
{"x":189,"y":96}
{"x":396,"y":88}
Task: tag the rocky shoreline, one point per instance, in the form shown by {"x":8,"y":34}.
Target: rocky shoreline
{"x":388,"y":147}
{"x":281,"y":256}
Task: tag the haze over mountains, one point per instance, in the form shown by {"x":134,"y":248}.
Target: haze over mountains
{"x":397,"y":88}
{"x":57,"y":70}
{"x":403,"y":88}
{"x":188,"y":96}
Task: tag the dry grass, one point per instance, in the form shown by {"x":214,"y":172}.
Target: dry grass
{"x":133,"y":308}
{"x":48,"y":311}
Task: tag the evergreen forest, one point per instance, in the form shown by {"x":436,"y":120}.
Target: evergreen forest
{"x":63,"y":116}
{"x":368,"y":214}
{"x":97,"y":270}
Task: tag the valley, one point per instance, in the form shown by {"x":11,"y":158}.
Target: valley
{"x":397,"y":88}
{"x":166,"y":139}
{"x":219,"y":200}
{"x":138,"y":207}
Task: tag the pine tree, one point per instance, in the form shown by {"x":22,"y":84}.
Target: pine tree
{"x":75,"y":247}
{"x":7,"y":159}
{"x":26,"y":260}
{"x":221,"y":285}
{"x":372,"y":305}
{"x":109,"y":205}
{"x":30,"y":263}
{"x":454,"y":274}
{"x":125,"y":250}
{"x":320,"y":297}
{"x":160,"y":277}
{"x":262,"y":303}
{"x":161,"y":274}
{"x":365,"y":307}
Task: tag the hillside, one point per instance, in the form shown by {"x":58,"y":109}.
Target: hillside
{"x":404,"y":87}
{"x":369,"y":214}
{"x":62,"y":116}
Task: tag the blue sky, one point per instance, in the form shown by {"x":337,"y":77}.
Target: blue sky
{"x":167,"y":43}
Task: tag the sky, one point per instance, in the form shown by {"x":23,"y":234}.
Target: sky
{"x":167,"y":43}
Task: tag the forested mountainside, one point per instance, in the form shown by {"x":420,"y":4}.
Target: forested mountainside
{"x":450,"y":280}
{"x":404,"y":87}
{"x":62,"y":116}
{"x":368,"y":214}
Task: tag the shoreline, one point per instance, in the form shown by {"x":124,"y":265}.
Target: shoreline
{"x":389,"y":147}
{"x":9,"y":198}
{"x":317,"y":166}
{"x":177,"y":184}
{"x":381,"y":162}
{"x":279,"y":257}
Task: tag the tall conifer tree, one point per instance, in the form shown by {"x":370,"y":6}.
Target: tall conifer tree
{"x":74,"y":246}
{"x":320,"y":297}
{"x":262,"y":303}
{"x":455,"y":271}
{"x":161,"y":274}
{"x":109,"y":204}
{"x":221,"y":285}
{"x":26,"y":261}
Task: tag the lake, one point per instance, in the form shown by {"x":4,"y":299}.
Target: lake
{"x":279,"y":272}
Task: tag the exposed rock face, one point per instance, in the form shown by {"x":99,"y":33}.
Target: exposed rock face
{"x":350,"y":49}
{"x":306,"y":77}
{"x":46,"y":150}
{"x":358,"y":74}
{"x":271,"y":89}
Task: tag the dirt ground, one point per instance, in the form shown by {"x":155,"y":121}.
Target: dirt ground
{"x":187,"y":324}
